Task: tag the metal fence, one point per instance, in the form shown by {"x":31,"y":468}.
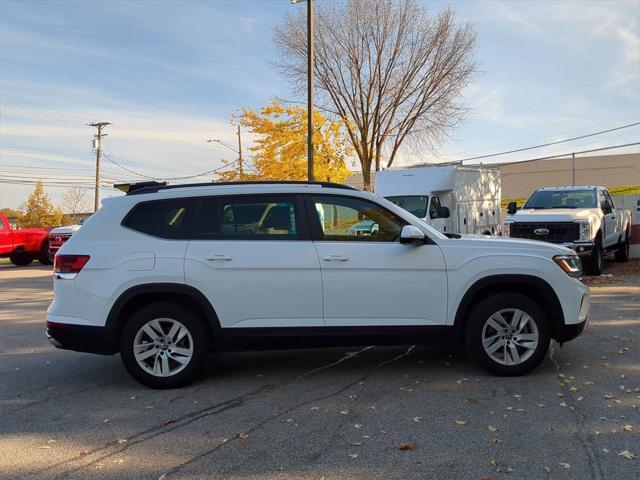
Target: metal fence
{"x":617,"y":168}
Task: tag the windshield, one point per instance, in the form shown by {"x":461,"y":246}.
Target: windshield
{"x":413,"y":204}
{"x":562,"y":199}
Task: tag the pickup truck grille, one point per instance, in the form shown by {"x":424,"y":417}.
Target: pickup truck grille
{"x":559,"y":232}
{"x":56,"y":240}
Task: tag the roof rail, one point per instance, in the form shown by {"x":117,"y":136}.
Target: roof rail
{"x":152,"y":187}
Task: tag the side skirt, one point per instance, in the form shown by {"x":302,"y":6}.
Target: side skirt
{"x":234,"y":339}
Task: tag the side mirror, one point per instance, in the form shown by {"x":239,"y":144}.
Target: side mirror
{"x":606,"y":209}
{"x":443,"y":212}
{"x":512,"y":208}
{"x":411,"y":235}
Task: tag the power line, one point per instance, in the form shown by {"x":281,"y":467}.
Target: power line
{"x":186,"y":177}
{"x":547,"y":144}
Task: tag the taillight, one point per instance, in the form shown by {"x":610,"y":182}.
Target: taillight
{"x":69,"y":263}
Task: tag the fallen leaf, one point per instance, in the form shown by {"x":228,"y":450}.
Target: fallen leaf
{"x":344,"y":412}
{"x":242,"y":435}
{"x":122,"y":440}
{"x":461,"y":422}
{"x":492,"y":429}
{"x":573,"y":389}
{"x":355,"y":444}
{"x":565,"y":465}
{"x":608,"y":396}
{"x":315,"y":409}
{"x":119,"y":460}
{"x":546,"y":469}
{"x":560,"y":395}
{"x":404,"y":446}
{"x":357,"y":425}
{"x":627,"y":455}
{"x":493,"y":463}
{"x":627,"y":428}
{"x":353,"y":455}
{"x":170,"y":421}
{"x":417,"y":419}
{"x":472,"y":400}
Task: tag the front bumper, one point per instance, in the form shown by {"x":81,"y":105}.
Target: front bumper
{"x":571,"y":331}
{"x":582,"y":248}
{"x":81,"y":338}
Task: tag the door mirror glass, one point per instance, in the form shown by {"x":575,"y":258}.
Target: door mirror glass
{"x":411,"y":235}
{"x":443,"y":212}
{"x":512,"y":208}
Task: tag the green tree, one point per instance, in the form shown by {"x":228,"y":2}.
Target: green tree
{"x":39,"y":211}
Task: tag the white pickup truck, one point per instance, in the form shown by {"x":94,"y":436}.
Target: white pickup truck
{"x":584,"y":219}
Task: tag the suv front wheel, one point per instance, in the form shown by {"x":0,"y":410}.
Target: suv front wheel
{"x":508,"y":334}
{"x":163,"y":345}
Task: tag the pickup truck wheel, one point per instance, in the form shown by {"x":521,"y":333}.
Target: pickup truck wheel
{"x":622,"y":254}
{"x":508,"y":334}
{"x":44,"y":258}
{"x":20,"y":259}
{"x":595,"y":264}
{"x":163,"y":345}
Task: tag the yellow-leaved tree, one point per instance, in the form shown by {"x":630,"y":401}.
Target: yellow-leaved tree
{"x":280,"y":149}
{"x":39,"y":211}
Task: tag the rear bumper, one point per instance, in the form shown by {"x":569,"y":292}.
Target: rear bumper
{"x":81,"y":338}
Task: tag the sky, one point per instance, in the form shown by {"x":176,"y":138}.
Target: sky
{"x":170,"y":75}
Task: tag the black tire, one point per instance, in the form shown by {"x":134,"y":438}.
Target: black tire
{"x":595,"y":264}
{"x":480,"y":315}
{"x":20,"y":259}
{"x":165,"y":310}
{"x":44,"y":258}
{"x":622,"y":254}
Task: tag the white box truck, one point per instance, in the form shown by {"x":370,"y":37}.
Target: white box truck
{"x":452,"y":198}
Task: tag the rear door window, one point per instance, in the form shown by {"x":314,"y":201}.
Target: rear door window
{"x":250,"y":217}
{"x":169,"y":219}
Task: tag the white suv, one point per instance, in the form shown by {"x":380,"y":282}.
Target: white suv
{"x":166,"y":274}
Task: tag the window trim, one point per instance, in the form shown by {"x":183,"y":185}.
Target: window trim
{"x":317,"y":234}
{"x":187,"y":234}
{"x":299,"y":211}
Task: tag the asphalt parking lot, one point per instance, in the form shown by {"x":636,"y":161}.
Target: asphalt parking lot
{"x":340,"y":413}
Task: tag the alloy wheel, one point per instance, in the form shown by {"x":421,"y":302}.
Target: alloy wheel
{"x":163,"y":347}
{"x":510,"y":336}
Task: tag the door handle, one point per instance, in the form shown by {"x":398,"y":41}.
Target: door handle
{"x":223,"y":258}
{"x":335,"y":258}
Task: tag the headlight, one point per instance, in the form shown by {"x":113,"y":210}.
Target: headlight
{"x":585,"y":231}
{"x":506,"y":229}
{"x":571,"y":264}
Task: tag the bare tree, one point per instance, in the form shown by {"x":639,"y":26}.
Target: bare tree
{"x":74,"y":201}
{"x":387,"y":68}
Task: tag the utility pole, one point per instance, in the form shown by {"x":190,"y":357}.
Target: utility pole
{"x":573,"y":169}
{"x":97,"y":144}
{"x":310,"y":62}
{"x":310,"y":90}
{"x":240,"y":152}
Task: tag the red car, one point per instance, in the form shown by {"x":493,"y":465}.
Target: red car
{"x":22,"y":246}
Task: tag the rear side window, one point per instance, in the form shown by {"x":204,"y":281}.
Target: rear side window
{"x":162,"y":218}
{"x":249,"y":217}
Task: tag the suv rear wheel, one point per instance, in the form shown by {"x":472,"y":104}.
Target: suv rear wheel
{"x":508,"y":334}
{"x":163,"y":345}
